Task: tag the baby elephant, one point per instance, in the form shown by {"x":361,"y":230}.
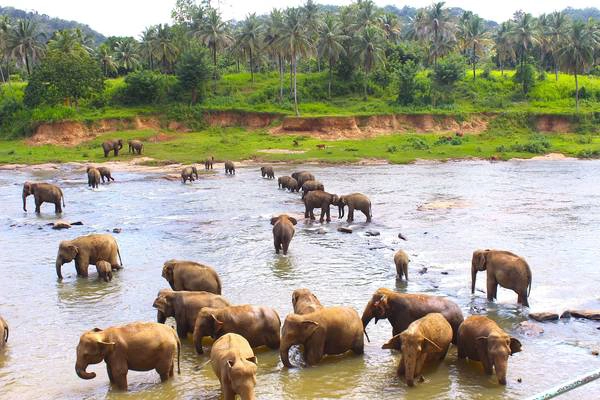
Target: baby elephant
{"x":139,"y":346}
{"x":93,"y":177}
{"x":268,"y":172}
{"x":105,"y":174}
{"x":135,"y":146}
{"x":208,"y":163}
{"x":305,"y":302}
{"x":234,"y":363}
{"x":481,"y":339}
{"x":104,"y":270}
{"x":189,"y":275}
{"x":259,"y":325}
{"x":189,"y":174}
{"x":283,"y":232}
{"x":229,"y":168}
{"x":3,"y":332}
{"x":287,"y":182}
{"x":424,"y":341}
{"x":401,"y":261}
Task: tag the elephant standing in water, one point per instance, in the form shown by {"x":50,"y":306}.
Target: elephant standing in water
{"x":105,"y":174}
{"x":135,"y":146}
{"x":481,"y":339}
{"x":208,"y":163}
{"x":287,"y":182}
{"x":309,"y":186}
{"x":112,"y":145}
{"x":319,"y":199}
{"x":354,"y":201}
{"x":330,"y":330}
{"x":234,"y":363}
{"x":283,"y":232}
{"x":94,"y":177}
{"x":189,"y":174}
{"x":401,"y":260}
{"x":302,"y":176}
{"x":505,"y":269}
{"x":229,"y":168}
{"x":86,"y":250}
{"x":3,"y":332}
{"x":305,"y":302}
{"x":104,"y":270}
{"x":190,"y":275}
{"x":43,"y":193}
{"x":140,"y":346}
{"x":268,"y":172}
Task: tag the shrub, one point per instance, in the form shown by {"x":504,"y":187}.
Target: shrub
{"x":407,"y":84}
{"x":392,"y":149}
{"x":449,"y":70}
{"x":589,"y":153}
{"x":193,"y":71}
{"x":525,"y":76}
{"x":417,"y":143}
{"x":143,"y":87}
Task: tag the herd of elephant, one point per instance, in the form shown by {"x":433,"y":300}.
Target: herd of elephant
{"x":423,"y":326}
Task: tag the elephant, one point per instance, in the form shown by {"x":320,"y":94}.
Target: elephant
{"x":190,"y":275}
{"x":268,"y":172}
{"x":260,"y":326}
{"x":139,"y":346}
{"x":303,"y":176}
{"x":3,"y":332}
{"x":401,"y":309}
{"x":105,"y":174}
{"x":93,"y":177}
{"x":112,"y":145}
{"x":426,"y":340}
{"x":208,"y":163}
{"x":401,"y":260}
{"x":327,"y":331}
{"x":184,"y":306}
{"x":309,"y":186}
{"x":229,"y":168}
{"x":319,"y":199}
{"x":135,"y":146}
{"x":505,"y":269}
{"x":283,"y":232}
{"x":86,"y":250}
{"x":354,"y":201}
{"x":234,"y":363}
{"x":104,"y":270}
{"x":481,"y":339}
{"x":189,"y":174}
{"x":305,"y":302}
{"x":43,"y":193}
{"x":287,"y":182}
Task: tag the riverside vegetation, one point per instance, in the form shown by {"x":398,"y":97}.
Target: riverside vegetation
{"x":356,"y":60}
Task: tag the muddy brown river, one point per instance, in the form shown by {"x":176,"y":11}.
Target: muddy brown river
{"x":546,"y":211}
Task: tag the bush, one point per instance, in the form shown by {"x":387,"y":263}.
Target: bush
{"x":525,"y":76}
{"x":449,"y":70}
{"x":144,"y":87}
{"x":194,"y":71}
{"x":407,"y":84}
{"x":588,"y":153}
{"x":417,"y":143}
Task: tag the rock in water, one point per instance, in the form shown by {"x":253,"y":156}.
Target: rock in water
{"x":593,"y":315}
{"x":543,"y":316}
{"x":372,"y":233}
{"x":529,"y":329}
{"x":401,"y":236}
{"x":344,"y":229}
{"x":423,"y":271}
{"x":76,"y":223}
{"x":61,"y":225}
{"x":117,"y":230}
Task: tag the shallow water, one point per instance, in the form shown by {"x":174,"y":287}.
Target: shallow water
{"x":549,"y":212}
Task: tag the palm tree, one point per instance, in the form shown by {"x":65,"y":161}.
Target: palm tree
{"x":272,"y":33}
{"x":4,"y":28}
{"x":558,"y":23}
{"x":577,"y":52}
{"x":249,"y":38}
{"x":367,"y":15}
{"x":475,"y":39}
{"x":440,"y":28}
{"x":368,"y":49}
{"x":390,"y":26}
{"x":294,"y":37}
{"x":25,"y":43}
{"x":164,"y":47}
{"x":524,"y":37}
{"x":105,"y":57}
{"x":330,"y":45}
{"x":214,"y":33}
{"x":312,"y":19}
{"x":126,"y":54}
{"x":503,"y":44}
{"x":66,"y":41}
{"x":147,"y":45}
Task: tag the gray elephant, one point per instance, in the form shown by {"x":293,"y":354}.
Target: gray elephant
{"x":309,"y":186}
{"x":283,"y":232}
{"x":190,"y":275}
{"x":135,"y":146}
{"x":86,"y":250}
{"x":303,"y":176}
{"x":287,"y":182}
{"x":189,"y":174}
{"x":43,"y":193}
{"x":319,"y":199}
{"x":354,"y":201}
{"x":3,"y":332}
{"x":112,"y":145}
{"x":94,"y":177}
{"x":105,"y":174}
{"x":229,"y":168}
{"x":401,"y":260}
{"x":505,"y":269}
{"x":268,"y":172}
{"x":208,"y":163}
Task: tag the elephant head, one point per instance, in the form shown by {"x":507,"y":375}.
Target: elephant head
{"x":67,"y":251}
{"x":263,"y":171}
{"x":93,"y":347}
{"x":207,"y":324}
{"x":28,"y":189}
{"x":478,"y":263}
{"x":164,"y":305}
{"x":167,"y":272}
{"x":293,"y":220}
{"x":496,"y":348}
{"x":242,"y":375}
{"x":297,"y":330}
{"x":378,"y":307}
{"x":412,"y":345}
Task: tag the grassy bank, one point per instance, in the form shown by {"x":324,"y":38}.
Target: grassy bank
{"x":239,"y":144}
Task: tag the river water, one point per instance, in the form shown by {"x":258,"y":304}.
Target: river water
{"x":546,"y":211}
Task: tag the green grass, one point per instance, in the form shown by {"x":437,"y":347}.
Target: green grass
{"x":239,"y":144}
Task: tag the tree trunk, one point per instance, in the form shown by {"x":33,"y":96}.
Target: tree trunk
{"x":474,"y":65}
{"x":279,"y":60}
{"x":576,"y":92}
{"x":194,"y":95}
{"x":330,"y":77}
{"x":291,"y":78}
{"x":474,"y":62}
{"x":1,"y":71}
{"x":294,"y":61}
{"x":365,"y":84}
{"x":251,"y":66}
{"x":27,"y":65}
{"x":556,"y":70}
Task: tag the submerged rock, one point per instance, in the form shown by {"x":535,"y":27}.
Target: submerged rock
{"x":593,"y":315}
{"x":529,"y":329}
{"x":543,"y":316}
{"x":423,"y":271}
{"x":344,"y":229}
{"x":401,"y":236}
{"x":61,"y":225}
{"x":117,"y":230}
{"x":372,"y":233}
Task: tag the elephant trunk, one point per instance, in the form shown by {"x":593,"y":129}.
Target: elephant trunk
{"x":367,"y":317}
{"x":409,"y":372}
{"x":246,"y":392}
{"x":59,"y":264}
{"x":160,"y":317}
{"x":473,"y":277}
{"x":197,"y":338}
{"x":24,"y":202}
{"x":80,"y":369}
{"x":284,"y":353}
{"x":501,"y":366}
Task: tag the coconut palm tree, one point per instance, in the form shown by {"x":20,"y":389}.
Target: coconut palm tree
{"x":557,"y":26}
{"x":249,"y":38}
{"x":391,"y":27}
{"x":147,"y":45}
{"x":295,"y":39}
{"x":126,"y":54}
{"x":475,"y":39}
{"x":440,"y":29}
{"x":214,"y":33}
{"x":272,"y":33}
{"x":66,"y":41}
{"x":4,"y":28}
{"x":524,"y":35}
{"x":165,"y":49}
{"x":369,"y":50}
{"x":25,"y":43}
{"x":577,"y":52}
{"x":503,"y":44}
{"x":367,"y":15}
{"x":107,"y":61}
{"x":331,"y":45}
{"x":312,"y":19}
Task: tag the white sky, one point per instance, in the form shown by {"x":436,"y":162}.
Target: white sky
{"x":130,"y":17}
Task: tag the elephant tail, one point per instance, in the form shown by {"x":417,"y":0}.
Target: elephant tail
{"x":5,"y":333}
{"x":62,"y":195}
{"x":528,"y":280}
{"x":119,"y":254}
{"x":178,"y":352}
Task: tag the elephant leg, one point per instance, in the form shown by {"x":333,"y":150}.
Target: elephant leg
{"x":110,"y":373}
{"x":327,"y":212}
{"x":106,"y":153}
{"x":228,"y":393}
{"x":38,"y":205}
{"x":286,"y":245}
{"x":277,"y":245}
{"x":405,"y":269}
{"x":83,"y":268}
{"x":487,"y":367}
{"x":312,"y":214}
{"x":492,"y":287}
{"x":350,"y":213}
{"x":358,"y":347}
{"x":461,"y":353}
{"x":119,"y":375}
{"x":182,"y":329}
{"x":401,"y":367}
{"x":164,"y":370}
{"x":273,"y":342}
{"x":322,"y":217}
{"x":367,"y":214}
{"x":57,"y":207}
{"x":522,"y":299}
{"x":306,"y":212}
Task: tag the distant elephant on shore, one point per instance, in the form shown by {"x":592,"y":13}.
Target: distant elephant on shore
{"x":208,"y":164}
{"x":43,"y":193}
{"x":354,"y":201}
{"x":112,"y":145}
{"x":229,"y":168}
{"x":283,"y":232}
{"x":190,"y":275}
{"x":189,"y":174}
{"x":505,"y":269}
{"x":135,"y":146}
{"x":309,"y":186}
{"x":94,"y":177}
{"x":401,"y":260}
{"x":268,"y":172}
{"x":319,"y":199}
{"x":287,"y":182}
{"x":3,"y":332}
{"x":86,"y":250}
{"x":105,"y":174}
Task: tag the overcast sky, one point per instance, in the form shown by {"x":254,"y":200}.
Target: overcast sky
{"x":129,"y":17}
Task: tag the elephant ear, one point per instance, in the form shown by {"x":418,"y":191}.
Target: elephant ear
{"x":515,"y":346}
{"x":73,"y":250}
{"x":96,"y":330}
{"x":274,"y":220}
{"x":430,"y":346}
{"x":481,"y":344}
{"x":218,"y":324}
{"x":394,"y":343}
{"x":293,"y":220}
{"x":106,"y":347}
{"x":167,"y":271}
{"x":381,"y":307}
{"x":252,"y":360}
{"x":310,"y":326}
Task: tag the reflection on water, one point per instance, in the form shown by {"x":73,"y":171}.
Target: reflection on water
{"x":549,"y":212}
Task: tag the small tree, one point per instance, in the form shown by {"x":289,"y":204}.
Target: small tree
{"x":64,"y":78}
{"x":407,"y":84}
{"x":449,"y":70}
{"x":193,"y":71}
{"x":525,"y":76}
